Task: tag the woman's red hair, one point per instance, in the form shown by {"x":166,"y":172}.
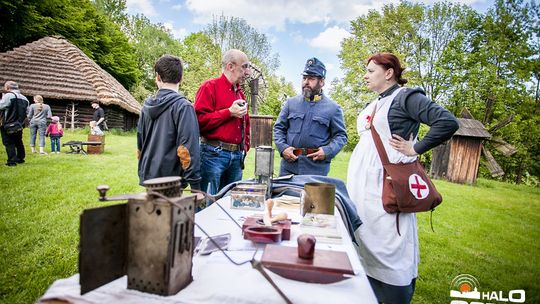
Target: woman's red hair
{"x":389,"y":61}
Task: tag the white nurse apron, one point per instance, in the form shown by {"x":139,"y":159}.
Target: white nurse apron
{"x":385,"y":255}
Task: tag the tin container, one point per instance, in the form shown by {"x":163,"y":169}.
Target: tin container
{"x":248,"y":196}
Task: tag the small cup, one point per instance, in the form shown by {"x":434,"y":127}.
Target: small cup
{"x":306,"y":246}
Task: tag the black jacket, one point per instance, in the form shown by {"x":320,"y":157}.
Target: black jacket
{"x":16,"y":111}
{"x":167,"y":122}
{"x":410,"y":108}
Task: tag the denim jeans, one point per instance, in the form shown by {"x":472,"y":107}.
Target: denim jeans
{"x":55,"y":143}
{"x":37,"y":127}
{"x":219,"y":168}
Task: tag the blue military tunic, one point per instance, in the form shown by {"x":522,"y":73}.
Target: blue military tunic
{"x":309,"y":124}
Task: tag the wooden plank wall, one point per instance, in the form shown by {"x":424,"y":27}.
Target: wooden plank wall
{"x":439,"y":160}
{"x":464,"y":159}
{"x":261,"y":130}
{"x":117,"y":117}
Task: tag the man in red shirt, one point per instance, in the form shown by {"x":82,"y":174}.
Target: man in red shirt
{"x":223,"y":119}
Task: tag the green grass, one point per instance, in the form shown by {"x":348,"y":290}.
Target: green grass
{"x":490,"y":231}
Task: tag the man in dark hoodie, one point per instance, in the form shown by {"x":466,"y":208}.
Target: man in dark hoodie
{"x":168,"y":132}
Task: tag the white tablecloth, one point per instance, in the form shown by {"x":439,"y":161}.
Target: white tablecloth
{"x":216,"y":280}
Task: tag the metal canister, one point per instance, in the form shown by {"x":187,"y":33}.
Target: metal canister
{"x":318,"y":198}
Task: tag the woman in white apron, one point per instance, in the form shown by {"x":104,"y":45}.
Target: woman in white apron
{"x":391,"y":260}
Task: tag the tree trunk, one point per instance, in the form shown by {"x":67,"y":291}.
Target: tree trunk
{"x":519,"y":174}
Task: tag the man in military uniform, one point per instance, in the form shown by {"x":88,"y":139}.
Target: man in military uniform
{"x":310,"y":129}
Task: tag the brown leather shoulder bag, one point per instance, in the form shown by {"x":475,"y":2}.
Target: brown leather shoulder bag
{"x":406,"y":187}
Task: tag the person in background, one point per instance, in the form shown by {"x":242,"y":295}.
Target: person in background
{"x":168,"y":133}
{"x":99,"y":115}
{"x":55,"y":131}
{"x":391,"y":260}
{"x":94,"y":129}
{"x":310,"y":129}
{"x":224,"y":123}
{"x":38,"y":114}
{"x":13,"y":107}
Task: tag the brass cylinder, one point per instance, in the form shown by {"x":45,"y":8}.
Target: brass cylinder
{"x":318,"y":198}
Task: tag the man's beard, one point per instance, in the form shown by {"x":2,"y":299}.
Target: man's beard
{"x":309,"y":93}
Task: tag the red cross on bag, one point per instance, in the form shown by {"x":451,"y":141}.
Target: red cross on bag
{"x":418,"y":186}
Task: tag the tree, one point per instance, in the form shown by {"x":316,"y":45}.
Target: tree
{"x":278,"y":91}
{"x":149,"y":41}
{"x":487,"y":63}
{"x":115,"y":10}
{"x":505,"y":63}
{"x":235,"y":33}
{"x":199,"y":54}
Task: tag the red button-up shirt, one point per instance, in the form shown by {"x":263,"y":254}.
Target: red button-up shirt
{"x":212,"y":103}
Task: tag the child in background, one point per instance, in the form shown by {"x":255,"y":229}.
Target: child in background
{"x":55,"y":131}
{"x":94,"y":129}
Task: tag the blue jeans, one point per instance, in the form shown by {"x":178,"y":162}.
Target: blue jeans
{"x":55,"y":143}
{"x":37,"y":127}
{"x":219,"y":168}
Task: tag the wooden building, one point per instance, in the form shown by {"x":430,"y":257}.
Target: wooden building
{"x":262,"y":129}
{"x":458,"y":159}
{"x":69,"y":81}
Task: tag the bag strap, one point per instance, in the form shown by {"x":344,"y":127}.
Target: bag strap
{"x":377,"y":139}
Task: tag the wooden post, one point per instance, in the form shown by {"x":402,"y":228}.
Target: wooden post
{"x":254,"y":88}
{"x":72,"y":113}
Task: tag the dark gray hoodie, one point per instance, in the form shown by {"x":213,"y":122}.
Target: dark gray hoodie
{"x":168,"y":128}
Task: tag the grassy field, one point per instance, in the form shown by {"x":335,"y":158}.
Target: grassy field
{"x":490,"y":231}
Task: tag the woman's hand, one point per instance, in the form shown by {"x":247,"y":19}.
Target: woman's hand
{"x":402,"y":145}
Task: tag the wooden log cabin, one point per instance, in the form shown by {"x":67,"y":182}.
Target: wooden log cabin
{"x":458,"y":159}
{"x":69,"y":81}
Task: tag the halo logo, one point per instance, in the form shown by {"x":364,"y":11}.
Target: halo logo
{"x":465,"y":286}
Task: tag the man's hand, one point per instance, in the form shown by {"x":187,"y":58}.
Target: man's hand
{"x":288,"y":155}
{"x":319,"y":155}
{"x":238,"y":108}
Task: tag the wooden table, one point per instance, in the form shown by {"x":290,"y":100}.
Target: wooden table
{"x":217,"y":280}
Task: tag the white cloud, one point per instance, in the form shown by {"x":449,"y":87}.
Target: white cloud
{"x":264,"y":14}
{"x":176,"y":7}
{"x":141,"y":7}
{"x":297,"y":37}
{"x":330,"y":39}
{"x":178,"y":33}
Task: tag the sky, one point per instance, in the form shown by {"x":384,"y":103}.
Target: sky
{"x":296,"y":29}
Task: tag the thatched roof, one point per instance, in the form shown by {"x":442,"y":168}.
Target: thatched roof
{"x":54,"y":68}
{"x":472,"y":128}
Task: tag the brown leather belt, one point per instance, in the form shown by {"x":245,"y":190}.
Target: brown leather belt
{"x":304,"y":151}
{"x":218,"y":143}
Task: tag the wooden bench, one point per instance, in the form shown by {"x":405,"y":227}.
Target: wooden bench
{"x":78,"y":146}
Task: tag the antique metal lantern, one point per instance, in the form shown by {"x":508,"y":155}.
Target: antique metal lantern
{"x":150,"y":239}
{"x":264,"y":166}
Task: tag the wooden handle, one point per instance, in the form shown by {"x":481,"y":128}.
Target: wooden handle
{"x":280,"y":217}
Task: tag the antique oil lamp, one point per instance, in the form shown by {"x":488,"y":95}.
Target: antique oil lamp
{"x":149,"y":238}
